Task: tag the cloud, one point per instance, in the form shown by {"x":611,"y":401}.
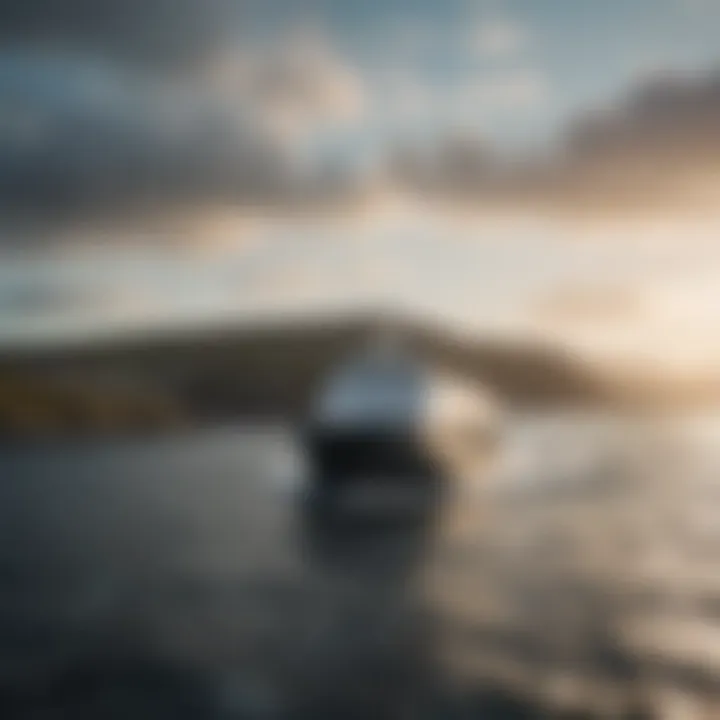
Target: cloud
{"x":499,"y":38}
{"x":111,"y":108}
{"x":658,"y":147}
{"x":457,"y":164}
{"x":666,"y":117}
{"x":585,"y":304}
{"x":297,"y":87}
{"x":149,"y":32}
{"x":82,"y":139}
{"x":464,"y":161}
{"x":502,"y":91}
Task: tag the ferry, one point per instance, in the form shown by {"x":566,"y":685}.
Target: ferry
{"x":388,"y":428}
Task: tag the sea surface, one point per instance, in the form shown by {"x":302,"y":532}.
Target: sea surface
{"x":187,"y":576}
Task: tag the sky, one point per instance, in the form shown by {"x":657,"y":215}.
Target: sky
{"x":509,"y":164}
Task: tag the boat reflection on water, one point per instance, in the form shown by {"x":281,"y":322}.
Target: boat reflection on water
{"x":378,"y":634}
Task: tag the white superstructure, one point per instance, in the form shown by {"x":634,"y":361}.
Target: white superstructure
{"x":386,"y":390}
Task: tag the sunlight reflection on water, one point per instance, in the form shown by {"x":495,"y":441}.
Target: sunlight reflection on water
{"x":186,"y":573}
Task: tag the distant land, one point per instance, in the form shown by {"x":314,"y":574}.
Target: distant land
{"x":270,"y":370}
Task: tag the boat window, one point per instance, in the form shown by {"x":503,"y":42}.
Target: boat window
{"x":373,"y":390}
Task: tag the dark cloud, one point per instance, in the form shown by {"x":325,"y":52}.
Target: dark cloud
{"x":456,"y":164}
{"x":108,"y":107}
{"x":81,"y":140}
{"x":668,"y":117}
{"x":162,"y":32}
{"x":655,"y":148}
{"x":652,"y":148}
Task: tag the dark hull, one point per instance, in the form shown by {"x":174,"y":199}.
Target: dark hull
{"x":346,"y":457}
{"x":372,"y":476}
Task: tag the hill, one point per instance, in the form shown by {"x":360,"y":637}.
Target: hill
{"x":264,"y":370}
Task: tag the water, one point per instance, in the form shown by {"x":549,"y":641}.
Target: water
{"x":185,"y":577}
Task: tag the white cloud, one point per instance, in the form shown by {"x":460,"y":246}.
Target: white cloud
{"x":298,"y":87}
{"x":519,"y":89}
{"x":404,"y":96}
{"x":499,"y":38}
